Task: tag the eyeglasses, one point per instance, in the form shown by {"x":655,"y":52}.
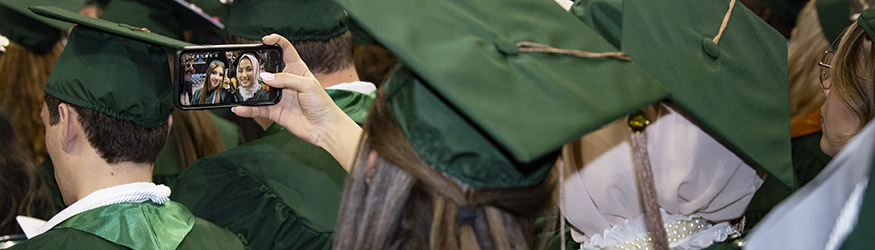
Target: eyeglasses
{"x":824,"y":68}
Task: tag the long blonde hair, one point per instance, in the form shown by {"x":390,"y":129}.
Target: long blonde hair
{"x":407,"y":204}
{"x":853,"y":74}
{"x":807,"y":45}
{"x":22,"y":88}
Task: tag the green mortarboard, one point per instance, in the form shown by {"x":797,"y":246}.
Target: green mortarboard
{"x":296,"y":20}
{"x":479,"y":105}
{"x":736,"y":89}
{"x":30,"y":30}
{"x":165,"y":17}
{"x":359,"y":36}
{"x":836,"y":15}
{"x":113,"y":69}
{"x":867,"y":21}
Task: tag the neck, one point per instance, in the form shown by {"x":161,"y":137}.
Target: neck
{"x":93,"y":173}
{"x":348,"y":74}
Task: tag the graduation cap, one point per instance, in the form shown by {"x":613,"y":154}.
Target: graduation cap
{"x":867,"y":21}
{"x":734,"y":86}
{"x":489,"y":97}
{"x":296,"y":20}
{"x":115,"y":69}
{"x":836,"y":15}
{"x":30,"y":30}
{"x":165,"y":17}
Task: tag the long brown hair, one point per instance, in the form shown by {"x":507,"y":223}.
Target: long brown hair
{"x":22,"y":88}
{"x":22,"y":192}
{"x":208,"y":85}
{"x":853,"y":73}
{"x":407,"y":204}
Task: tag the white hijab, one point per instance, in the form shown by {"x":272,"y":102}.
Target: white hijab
{"x":248,"y":92}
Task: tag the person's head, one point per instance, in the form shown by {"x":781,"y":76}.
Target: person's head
{"x":316,"y":28}
{"x":849,"y":88}
{"x":20,"y":182}
{"x":107,"y":104}
{"x":215,"y":74}
{"x":248,"y":70}
{"x":394,"y":199}
{"x":72,"y":132}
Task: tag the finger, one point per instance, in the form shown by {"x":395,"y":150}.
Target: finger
{"x":293,"y":61}
{"x":290,"y":81}
{"x":250,"y":112}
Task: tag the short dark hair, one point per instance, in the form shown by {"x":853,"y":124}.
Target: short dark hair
{"x":115,"y":140}
{"x":321,"y":56}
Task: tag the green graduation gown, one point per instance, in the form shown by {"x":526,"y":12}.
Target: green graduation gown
{"x":279,"y":192}
{"x":135,"y":226}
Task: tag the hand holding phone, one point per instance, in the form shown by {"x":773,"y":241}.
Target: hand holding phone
{"x":306,"y":110}
{"x":217,"y":76}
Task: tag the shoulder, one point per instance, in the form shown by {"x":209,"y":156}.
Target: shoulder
{"x":67,"y":238}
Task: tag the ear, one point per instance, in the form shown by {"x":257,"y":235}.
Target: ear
{"x":71,"y":130}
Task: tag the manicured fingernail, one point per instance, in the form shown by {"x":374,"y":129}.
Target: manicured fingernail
{"x":265,"y":37}
{"x":234,"y":109}
{"x":267,"y":77}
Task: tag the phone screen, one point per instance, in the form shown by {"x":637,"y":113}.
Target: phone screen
{"x":226,"y":75}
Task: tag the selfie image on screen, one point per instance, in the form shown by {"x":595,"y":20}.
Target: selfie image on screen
{"x":227,"y":77}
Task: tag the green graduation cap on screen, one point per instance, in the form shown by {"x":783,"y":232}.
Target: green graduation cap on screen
{"x":734,"y":87}
{"x":490,"y":90}
{"x":166,"y":17}
{"x":115,"y":69}
{"x":30,"y":30}
{"x":296,"y":20}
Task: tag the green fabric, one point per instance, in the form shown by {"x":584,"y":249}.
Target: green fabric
{"x":296,"y":20}
{"x":736,"y":91}
{"x":165,"y":17}
{"x":118,"y":29}
{"x":32,"y":31}
{"x":135,"y":85}
{"x":808,"y":161}
{"x":867,"y":21}
{"x":834,"y":17}
{"x":168,"y":166}
{"x":861,"y":237}
{"x":209,"y":99}
{"x":278,"y":192}
{"x":360,"y":36}
{"x":354,"y":104}
{"x":215,"y":8}
{"x":136,"y":225}
{"x":520,"y":107}
{"x":605,"y":17}
{"x":293,"y":188}
{"x":204,"y":235}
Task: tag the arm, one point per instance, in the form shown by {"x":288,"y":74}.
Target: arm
{"x":306,"y":110}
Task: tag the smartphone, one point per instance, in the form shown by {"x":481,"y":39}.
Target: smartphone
{"x":219,"y":76}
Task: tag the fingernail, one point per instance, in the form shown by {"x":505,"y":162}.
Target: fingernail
{"x":262,"y":38}
{"x":234,"y":109}
{"x":267,"y":77}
